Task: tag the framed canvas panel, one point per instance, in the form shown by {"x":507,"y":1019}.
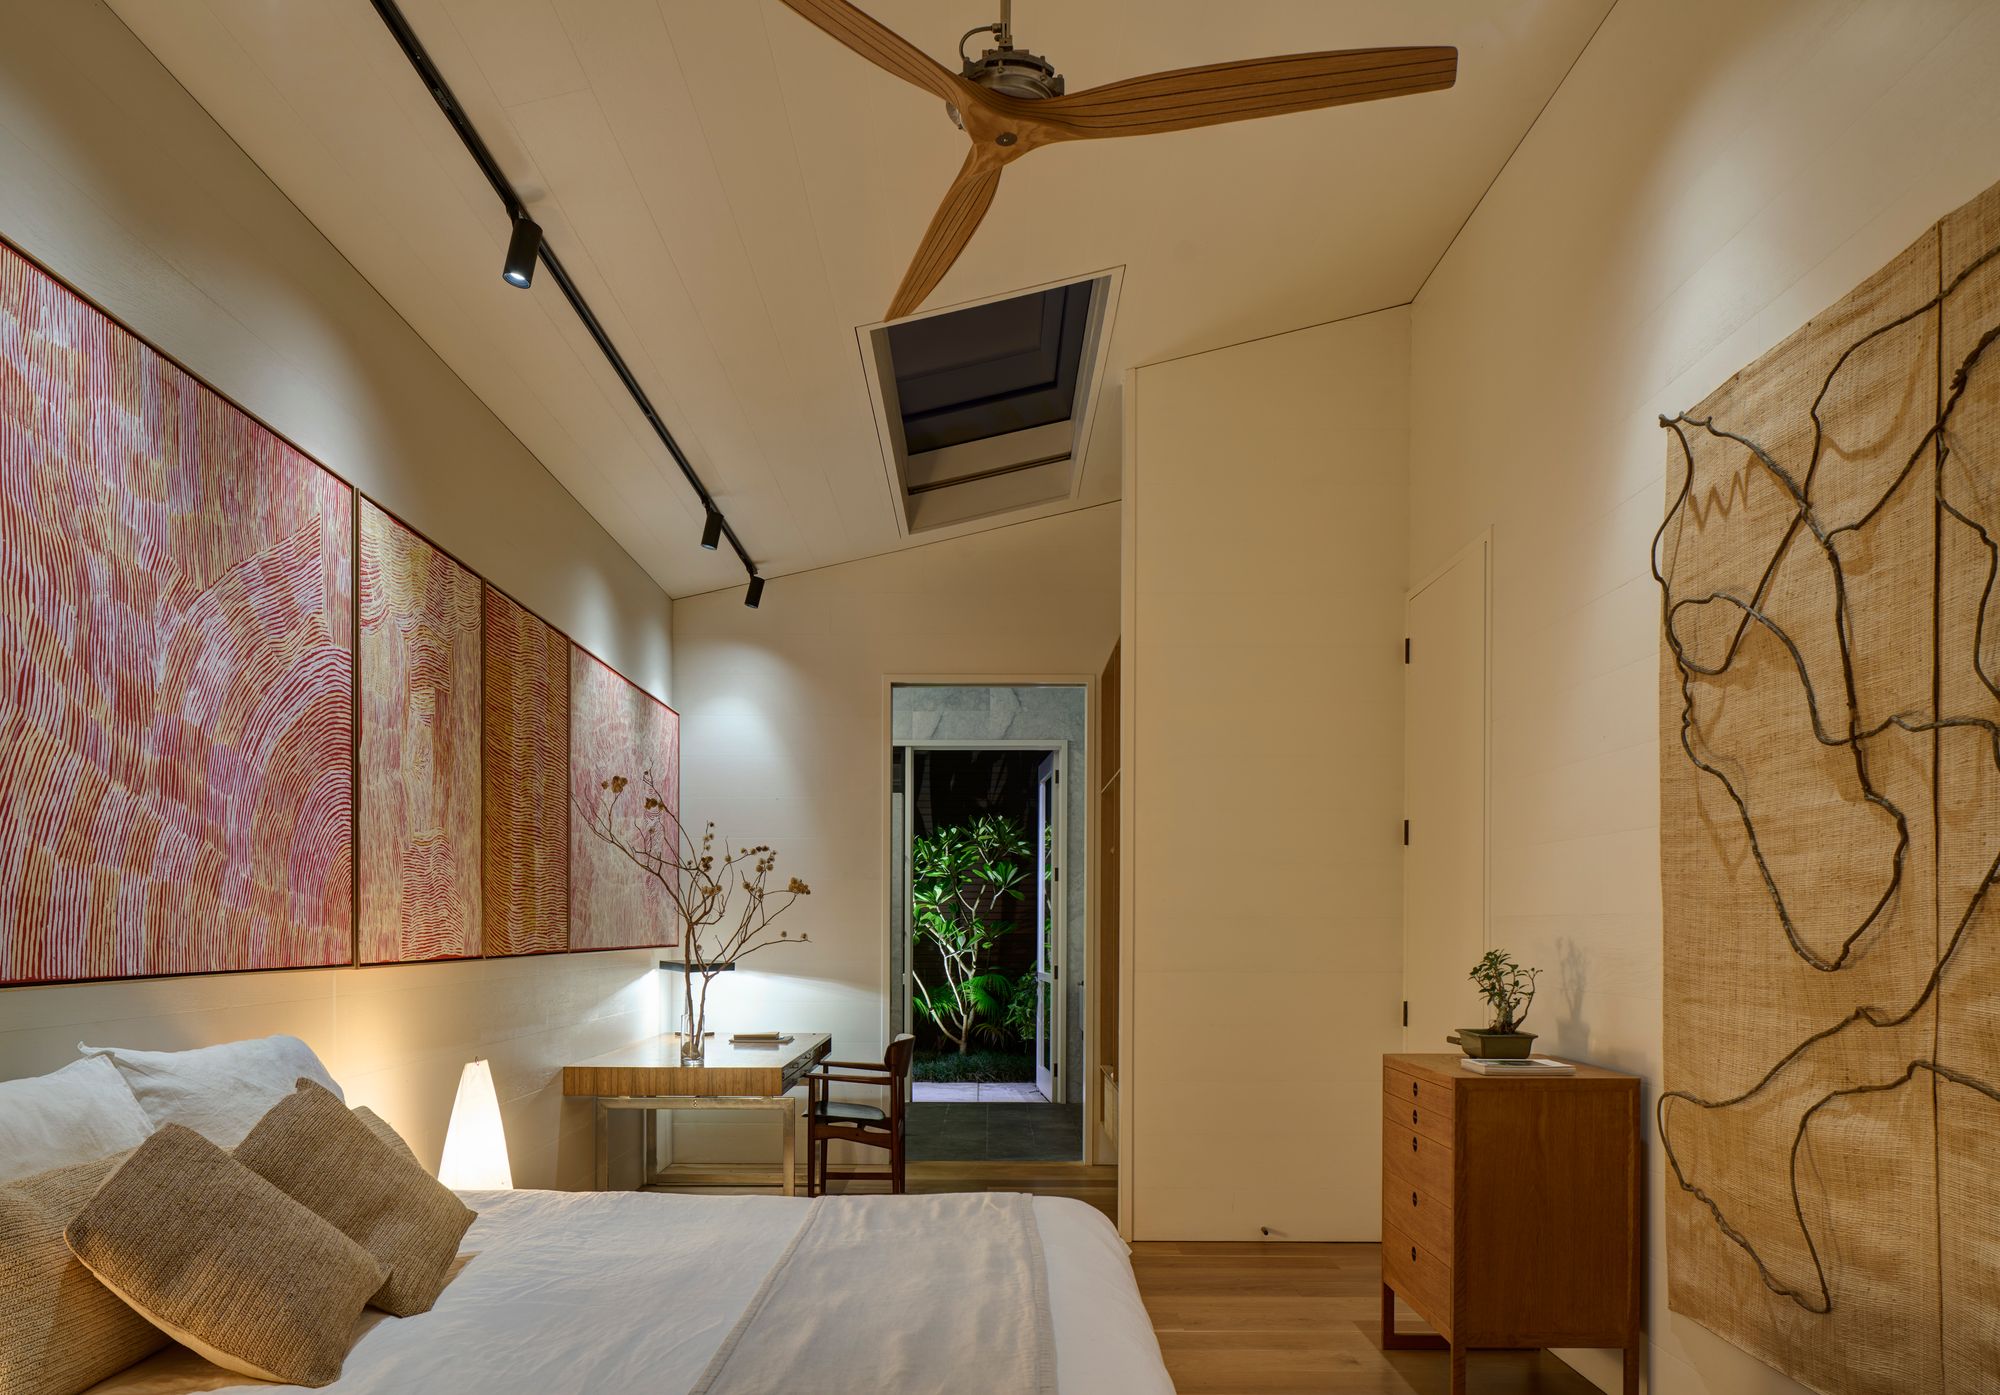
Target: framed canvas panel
{"x":176,"y":665}
{"x":625,"y":780}
{"x":419,"y":755}
{"x":526,"y":780}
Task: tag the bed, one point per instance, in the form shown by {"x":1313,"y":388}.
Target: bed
{"x":637,"y":1291}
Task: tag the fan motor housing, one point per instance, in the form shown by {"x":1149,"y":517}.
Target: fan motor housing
{"x":1015,"y":72}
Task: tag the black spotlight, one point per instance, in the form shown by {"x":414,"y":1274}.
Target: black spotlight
{"x":711,"y":531}
{"x":521,"y":250}
{"x":755,"y":593}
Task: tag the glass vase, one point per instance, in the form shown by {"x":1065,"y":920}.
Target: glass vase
{"x":694,"y":1020}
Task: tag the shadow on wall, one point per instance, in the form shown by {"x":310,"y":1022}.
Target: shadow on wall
{"x":1572,"y":1034}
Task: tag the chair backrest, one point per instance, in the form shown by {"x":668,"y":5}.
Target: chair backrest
{"x":899,"y":1055}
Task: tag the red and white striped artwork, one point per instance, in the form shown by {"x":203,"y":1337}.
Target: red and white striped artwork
{"x":616,"y":730}
{"x":176,"y":665}
{"x":419,"y":775}
{"x":526,"y":852}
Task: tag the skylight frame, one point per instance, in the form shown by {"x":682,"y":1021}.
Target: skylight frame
{"x":1037,"y":470}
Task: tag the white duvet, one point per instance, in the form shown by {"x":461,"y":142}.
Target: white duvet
{"x":635,"y":1291}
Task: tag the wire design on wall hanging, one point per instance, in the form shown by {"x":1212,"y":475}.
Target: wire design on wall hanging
{"x":1838,"y":724}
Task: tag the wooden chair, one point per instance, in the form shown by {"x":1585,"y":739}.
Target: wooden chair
{"x":828,"y":1119}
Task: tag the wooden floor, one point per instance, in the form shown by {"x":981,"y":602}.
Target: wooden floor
{"x":1096,"y":1185}
{"x":1245,"y":1319}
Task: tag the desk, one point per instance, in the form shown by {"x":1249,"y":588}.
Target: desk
{"x":649,"y":1076}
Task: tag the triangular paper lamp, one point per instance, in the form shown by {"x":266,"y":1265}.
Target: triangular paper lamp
{"x":475,"y":1145}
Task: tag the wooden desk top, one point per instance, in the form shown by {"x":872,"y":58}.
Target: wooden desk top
{"x":653,"y":1068}
{"x":1446,"y":1068}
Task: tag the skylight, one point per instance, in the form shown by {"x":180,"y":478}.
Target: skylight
{"x":986,"y":409}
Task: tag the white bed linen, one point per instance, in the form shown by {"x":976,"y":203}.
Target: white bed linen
{"x":630,"y":1292}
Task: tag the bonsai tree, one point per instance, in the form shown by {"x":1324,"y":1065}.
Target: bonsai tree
{"x":1507,"y":988}
{"x":961,"y":878}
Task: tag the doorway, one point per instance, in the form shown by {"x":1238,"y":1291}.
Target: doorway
{"x":988,"y":918}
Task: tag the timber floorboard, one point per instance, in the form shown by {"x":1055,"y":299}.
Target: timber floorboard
{"x":1286,"y":1318}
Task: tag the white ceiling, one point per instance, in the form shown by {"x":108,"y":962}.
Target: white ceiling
{"x":735,"y":194}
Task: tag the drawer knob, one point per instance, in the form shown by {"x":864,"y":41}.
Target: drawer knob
{"x":1413,"y":1089}
{"x":1413,"y":1198}
{"x":1413,"y":1116}
{"x":1413,"y":1252}
{"x":1413,"y":1145}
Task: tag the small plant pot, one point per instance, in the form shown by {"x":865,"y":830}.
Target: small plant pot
{"x":1492,"y":1046}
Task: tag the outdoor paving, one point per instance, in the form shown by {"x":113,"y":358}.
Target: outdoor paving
{"x":1012,"y":1092}
{"x":976,"y":1131}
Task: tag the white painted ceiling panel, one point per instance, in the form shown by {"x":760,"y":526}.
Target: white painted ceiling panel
{"x":735,"y":194}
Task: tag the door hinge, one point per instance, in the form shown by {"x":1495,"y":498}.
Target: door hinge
{"x":1406,"y":649}
{"x":1406,"y":833}
{"x":1406,"y":1012}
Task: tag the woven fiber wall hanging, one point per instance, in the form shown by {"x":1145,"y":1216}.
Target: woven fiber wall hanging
{"x":1830,"y":816}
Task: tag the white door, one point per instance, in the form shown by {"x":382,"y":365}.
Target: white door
{"x":1444,"y":793}
{"x":1048,"y":930}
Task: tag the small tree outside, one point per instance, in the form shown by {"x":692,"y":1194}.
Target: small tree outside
{"x":961,"y":878}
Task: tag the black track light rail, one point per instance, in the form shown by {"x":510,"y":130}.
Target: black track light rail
{"x":468,"y":135}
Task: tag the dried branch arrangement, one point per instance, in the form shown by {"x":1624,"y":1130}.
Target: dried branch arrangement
{"x":724,"y":898}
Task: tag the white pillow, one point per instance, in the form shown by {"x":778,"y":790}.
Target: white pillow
{"x":218,"y":1091}
{"x":73,"y":1115}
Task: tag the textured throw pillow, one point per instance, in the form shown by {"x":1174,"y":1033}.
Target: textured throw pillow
{"x":77,"y":1114}
{"x":380,"y":1127}
{"x":223,"y":1262}
{"x":61,"y":1331}
{"x":312,"y":1148}
{"x":218,"y":1091}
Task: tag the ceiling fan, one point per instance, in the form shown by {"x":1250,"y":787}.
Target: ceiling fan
{"x":1010,"y":101}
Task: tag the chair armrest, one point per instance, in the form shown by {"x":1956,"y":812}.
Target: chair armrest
{"x":853,"y":1079}
{"x":858,"y":1065}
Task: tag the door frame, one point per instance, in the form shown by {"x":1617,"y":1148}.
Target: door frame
{"x":1481,"y":543}
{"x":1092,"y":775}
{"x":906,"y":751}
{"x":1051,"y":924}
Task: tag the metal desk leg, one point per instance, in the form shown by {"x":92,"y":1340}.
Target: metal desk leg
{"x":602,"y":1130}
{"x":790,"y":1111}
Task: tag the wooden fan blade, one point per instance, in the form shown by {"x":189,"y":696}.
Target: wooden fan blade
{"x":1220,"y":92}
{"x":952,"y":226}
{"x":880,"y":45}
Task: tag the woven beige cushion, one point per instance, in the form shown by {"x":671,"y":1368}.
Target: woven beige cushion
{"x":223,"y":1262}
{"x":61,"y":1331}
{"x":380,"y":1127}
{"x":312,"y":1148}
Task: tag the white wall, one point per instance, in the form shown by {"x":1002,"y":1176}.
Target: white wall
{"x":1710,"y":175}
{"x":114,"y":177}
{"x":786,"y":726}
{"x":1262,"y":781}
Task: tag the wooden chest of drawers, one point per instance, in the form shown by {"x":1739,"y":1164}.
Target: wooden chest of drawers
{"x":1513,"y":1211}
